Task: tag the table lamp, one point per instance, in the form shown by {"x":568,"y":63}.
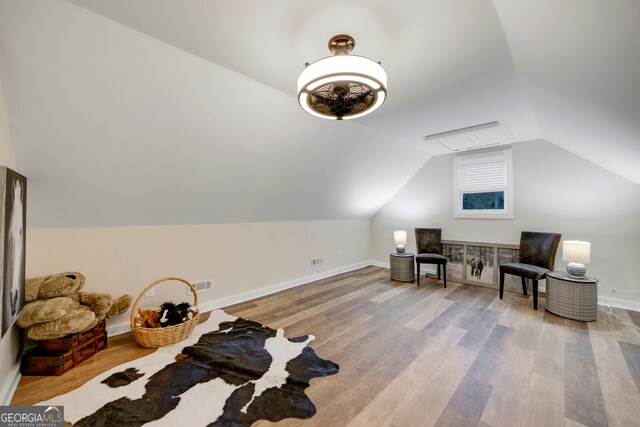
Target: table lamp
{"x":400,"y":239}
{"x":578,"y":254}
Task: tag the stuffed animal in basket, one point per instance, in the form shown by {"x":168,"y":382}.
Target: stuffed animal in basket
{"x":186,"y":311}
{"x":148,"y":318}
{"x":169,"y":314}
{"x":55,"y":308}
{"x":172,"y":314}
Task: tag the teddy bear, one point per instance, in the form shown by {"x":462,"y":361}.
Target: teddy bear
{"x":55,"y":307}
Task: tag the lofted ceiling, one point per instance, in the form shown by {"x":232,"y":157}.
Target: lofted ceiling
{"x":178,"y":112}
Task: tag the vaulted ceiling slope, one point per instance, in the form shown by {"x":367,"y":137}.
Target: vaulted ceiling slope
{"x":176,"y":112}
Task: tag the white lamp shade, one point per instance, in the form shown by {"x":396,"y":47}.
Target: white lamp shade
{"x":576,"y":251}
{"x":400,"y":237}
{"x":357,"y":68}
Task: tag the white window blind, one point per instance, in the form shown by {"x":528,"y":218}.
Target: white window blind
{"x":485,"y":172}
{"x":484,"y":175}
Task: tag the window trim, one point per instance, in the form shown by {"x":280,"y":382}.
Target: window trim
{"x":507,"y":212}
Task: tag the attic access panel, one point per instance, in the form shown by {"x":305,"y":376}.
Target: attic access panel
{"x":473,"y":137}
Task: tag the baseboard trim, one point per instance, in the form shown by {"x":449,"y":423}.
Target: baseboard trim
{"x":619,"y":303}
{"x":257,"y":293}
{"x":379,"y":264}
{"x":118,"y":329}
{"x":10,"y":387}
{"x":246,"y":296}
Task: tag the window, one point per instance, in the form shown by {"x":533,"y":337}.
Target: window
{"x":483,"y":185}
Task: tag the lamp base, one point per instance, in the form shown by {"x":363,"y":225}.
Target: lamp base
{"x":400,"y":249}
{"x":576,"y":269}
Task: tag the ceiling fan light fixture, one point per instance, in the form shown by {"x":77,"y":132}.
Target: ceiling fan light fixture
{"x":342,"y":86}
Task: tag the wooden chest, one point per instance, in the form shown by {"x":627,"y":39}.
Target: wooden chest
{"x":57,"y":356}
{"x":39,"y":363}
{"x":73,"y":341}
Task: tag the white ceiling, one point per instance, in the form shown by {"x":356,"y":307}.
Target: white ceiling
{"x":167,"y":111}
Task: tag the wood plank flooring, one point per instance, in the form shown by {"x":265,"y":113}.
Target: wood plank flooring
{"x":427,"y":356}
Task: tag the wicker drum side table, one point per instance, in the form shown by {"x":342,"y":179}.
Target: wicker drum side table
{"x":572,"y":297}
{"x":402,"y":268}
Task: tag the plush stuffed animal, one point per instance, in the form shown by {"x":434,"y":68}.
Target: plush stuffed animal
{"x":186,"y":311}
{"x":148,"y":318}
{"x":54,"y":308}
{"x":169,"y":315}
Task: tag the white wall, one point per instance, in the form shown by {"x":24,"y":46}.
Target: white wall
{"x":241,"y":259}
{"x":7,"y":156}
{"x":554,"y":191}
{"x":10,"y":346}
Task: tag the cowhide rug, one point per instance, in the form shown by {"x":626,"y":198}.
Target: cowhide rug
{"x":237,"y":372}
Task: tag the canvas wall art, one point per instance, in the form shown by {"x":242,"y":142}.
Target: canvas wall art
{"x":455,"y":263}
{"x":511,"y":283}
{"x":13,"y":215}
{"x":479,"y":266}
{"x":477,"y":263}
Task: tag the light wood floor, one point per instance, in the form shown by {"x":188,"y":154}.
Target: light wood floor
{"x":427,"y":356}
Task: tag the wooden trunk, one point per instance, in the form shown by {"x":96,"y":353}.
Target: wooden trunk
{"x":57,"y":356}
{"x":41,"y":363}
{"x":72,"y":341}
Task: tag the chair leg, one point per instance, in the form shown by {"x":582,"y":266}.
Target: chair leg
{"x":438,"y":268}
{"x":501,"y":284}
{"x":535,"y":294}
{"x":418,"y":275}
{"x":444,"y":272}
{"x":524,"y":285}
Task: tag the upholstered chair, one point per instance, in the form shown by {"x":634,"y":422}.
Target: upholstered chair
{"x":537,"y":257}
{"x":429,"y":251}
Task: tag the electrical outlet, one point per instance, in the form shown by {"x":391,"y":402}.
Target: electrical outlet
{"x":150,"y":293}
{"x":339,"y":254}
{"x":316,"y":261}
{"x":203,"y":286}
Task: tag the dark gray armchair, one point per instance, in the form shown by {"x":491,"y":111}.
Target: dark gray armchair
{"x":429,"y":248}
{"x":537,"y":257}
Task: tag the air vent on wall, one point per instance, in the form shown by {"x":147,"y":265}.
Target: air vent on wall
{"x":204,"y":286}
{"x":473,"y":137}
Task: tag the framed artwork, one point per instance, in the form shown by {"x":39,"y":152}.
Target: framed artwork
{"x":455,"y":260}
{"x":480,"y":263}
{"x":476,"y":263}
{"x":511,"y":283}
{"x":13,"y":215}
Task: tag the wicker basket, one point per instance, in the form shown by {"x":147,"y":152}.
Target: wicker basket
{"x":158,"y":337}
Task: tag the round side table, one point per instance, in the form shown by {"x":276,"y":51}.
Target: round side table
{"x":402,"y":268}
{"x":572,"y":297}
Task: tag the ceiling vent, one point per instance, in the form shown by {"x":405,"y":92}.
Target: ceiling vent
{"x":473,"y":137}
